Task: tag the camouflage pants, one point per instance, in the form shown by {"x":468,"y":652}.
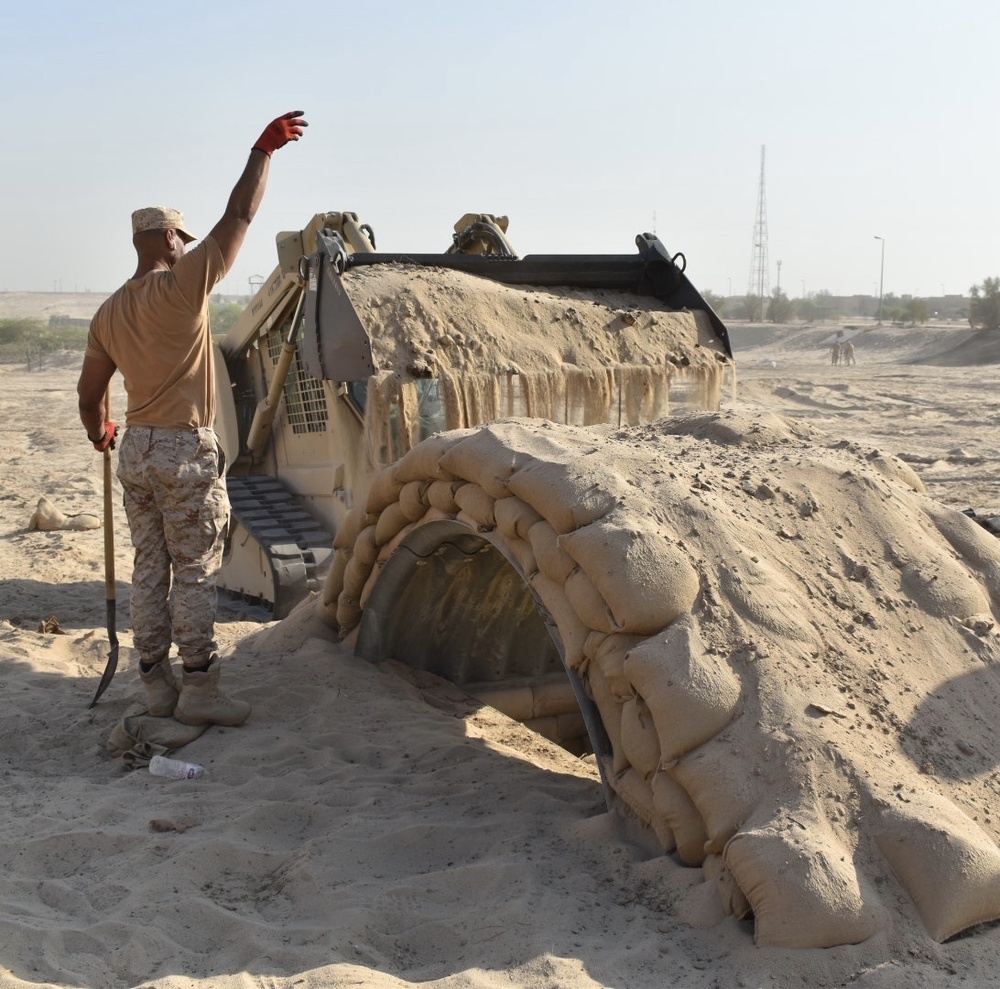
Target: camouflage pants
{"x":178,"y":511}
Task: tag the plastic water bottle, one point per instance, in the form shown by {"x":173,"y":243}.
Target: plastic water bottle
{"x":175,"y":769}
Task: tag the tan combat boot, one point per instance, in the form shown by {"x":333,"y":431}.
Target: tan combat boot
{"x":202,"y":703}
{"x":161,"y":689}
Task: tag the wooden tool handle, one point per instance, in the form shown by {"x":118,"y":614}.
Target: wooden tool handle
{"x":109,"y":515}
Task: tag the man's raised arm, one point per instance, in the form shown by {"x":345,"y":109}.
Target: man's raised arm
{"x":248,"y":192}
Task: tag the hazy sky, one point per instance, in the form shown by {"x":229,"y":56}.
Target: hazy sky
{"x":586,"y":123}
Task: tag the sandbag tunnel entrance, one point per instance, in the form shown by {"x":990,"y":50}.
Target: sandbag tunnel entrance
{"x":449,"y":601}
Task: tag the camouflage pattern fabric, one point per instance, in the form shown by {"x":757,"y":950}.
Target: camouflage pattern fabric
{"x":178,"y":511}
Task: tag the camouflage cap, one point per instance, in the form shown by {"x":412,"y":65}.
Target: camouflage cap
{"x":161,"y":218}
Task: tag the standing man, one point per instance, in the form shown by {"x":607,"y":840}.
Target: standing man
{"x":155,"y":330}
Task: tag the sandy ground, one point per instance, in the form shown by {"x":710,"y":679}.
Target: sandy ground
{"x":903,"y":396}
{"x":362,"y":831}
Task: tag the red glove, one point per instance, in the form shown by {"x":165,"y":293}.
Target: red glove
{"x":107,"y":440}
{"x":281,"y":130}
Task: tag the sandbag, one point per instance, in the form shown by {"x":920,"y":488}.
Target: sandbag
{"x":942,"y":586}
{"x":565,"y":494}
{"x":979,"y":547}
{"x":412,"y":499}
{"x":352,"y":525}
{"x":384,"y":490}
{"x":514,"y":517}
{"x":515,"y":702}
{"x":572,"y":632}
{"x":553,"y":561}
{"x":333,"y":584}
{"x":692,"y":694}
{"x":366,"y":545}
{"x":590,"y":607}
{"x":520,"y":549}
{"x":139,"y":736}
{"x":423,"y":462}
{"x":672,"y":803}
{"x":435,"y":515}
{"x":441,"y":495}
{"x":477,"y":504}
{"x":554,"y":697}
{"x":366,"y":591}
{"x":355,"y":575}
{"x":644,"y":578}
{"x":721,"y":782}
{"x":634,"y":792}
{"x":348,"y":612}
{"x":609,"y":650}
{"x":393,"y":544}
{"x":487,"y":459}
{"x":392,"y":519}
{"x":639,"y":742}
{"x":734,"y":901}
{"x":946,"y":862}
{"x":898,"y":470}
{"x":47,"y":518}
{"x":802,"y":885}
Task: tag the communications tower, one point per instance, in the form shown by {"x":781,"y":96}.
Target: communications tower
{"x":759,"y":284}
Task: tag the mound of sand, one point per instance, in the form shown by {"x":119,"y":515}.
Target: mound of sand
{"x":793,"y":650}
{"x":477,"y":350}
{"x":974,"y":350}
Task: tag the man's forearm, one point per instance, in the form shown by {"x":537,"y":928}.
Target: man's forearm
{"x":92,"y":392}
{"x":247,"y":194}
{"x":92,"y":417}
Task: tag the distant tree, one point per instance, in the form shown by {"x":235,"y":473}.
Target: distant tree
{"x":779,"y":307}
{"x":806,"y":310}
{"x":916,"y":311}
{"x":716,"y":301}
{"x":753,"y":307}
{"x":223,"y":315}
{"x":15,"y":330}
{"x":35,"y":347}
{"x":984,"y":309}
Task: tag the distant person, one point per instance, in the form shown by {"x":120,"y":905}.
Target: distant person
{"x":848,"y":352}
{"x":835,"y":353}
{"x":155,"y":330}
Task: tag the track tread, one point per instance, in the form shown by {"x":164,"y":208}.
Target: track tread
{"x":298,"y":547}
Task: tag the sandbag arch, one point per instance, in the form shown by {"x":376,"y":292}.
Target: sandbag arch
{"x":604,"y":582}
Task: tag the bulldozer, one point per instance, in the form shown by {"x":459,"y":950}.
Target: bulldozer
{"x":336,"y":368}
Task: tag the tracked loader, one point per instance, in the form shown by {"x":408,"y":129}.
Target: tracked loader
{"x":347,"y":357}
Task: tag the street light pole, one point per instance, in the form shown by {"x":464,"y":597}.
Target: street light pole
{"x":881,"y":274}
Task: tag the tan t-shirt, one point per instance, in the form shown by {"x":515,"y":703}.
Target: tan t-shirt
{"x":155,"y":330}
